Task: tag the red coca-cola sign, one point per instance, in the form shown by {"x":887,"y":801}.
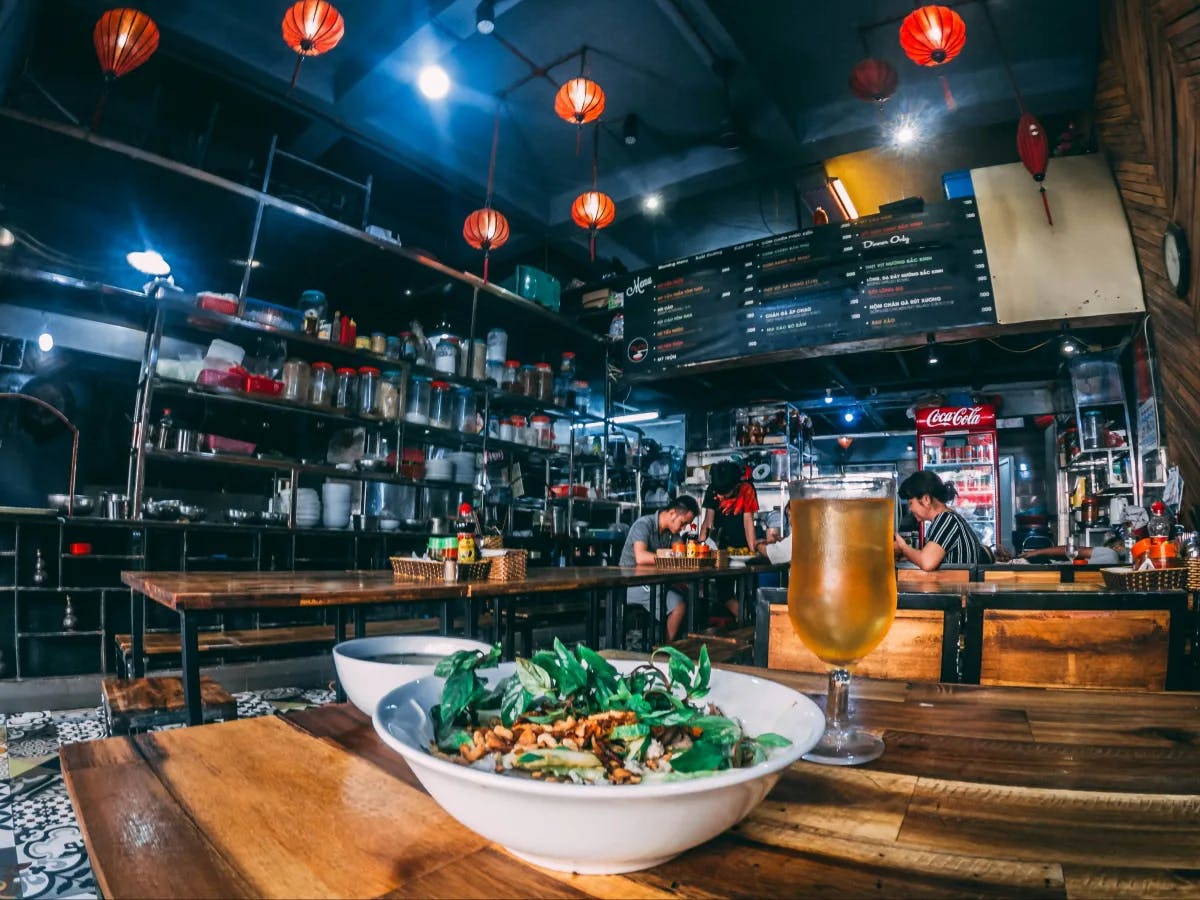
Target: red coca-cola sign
{"x":956,"y":418}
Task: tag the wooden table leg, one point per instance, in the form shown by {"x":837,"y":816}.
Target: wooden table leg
{"x":137,"y":631}
{"x":693,"y":600}
{"x":593,"y":619}
{"x":190,"y":660}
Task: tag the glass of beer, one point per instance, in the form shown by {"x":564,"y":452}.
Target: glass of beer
{"x":842,"y":592}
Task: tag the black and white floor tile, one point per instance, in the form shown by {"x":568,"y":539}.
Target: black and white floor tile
{"x":41,"y":849}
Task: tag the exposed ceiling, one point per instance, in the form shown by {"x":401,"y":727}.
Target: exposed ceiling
{"x":357,"y":109}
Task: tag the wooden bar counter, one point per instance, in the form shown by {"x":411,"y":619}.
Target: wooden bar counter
{"x":982,"y":791}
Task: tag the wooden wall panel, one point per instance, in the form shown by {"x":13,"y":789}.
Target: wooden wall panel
{"x":1075,"y":648}
{"x":912,"y":650}
{"x":1148,"y":117}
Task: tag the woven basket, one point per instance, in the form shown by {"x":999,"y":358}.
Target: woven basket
{"x":1193,"y":574}
{"x":512,"y":566}
{"x":430,"y":570}
{"x":685,"y":563}
{"x":492,"y":542}
{"x":1125,"y":579}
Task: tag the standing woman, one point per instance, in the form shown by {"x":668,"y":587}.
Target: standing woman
{"x":948,"y":537}
{"x":729,"y":507}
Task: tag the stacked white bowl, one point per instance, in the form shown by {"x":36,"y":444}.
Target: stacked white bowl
{"x":335,"y":504}
{"x":464,"y":467}
{"x":308,"y":506}
{"x":439,"y":469}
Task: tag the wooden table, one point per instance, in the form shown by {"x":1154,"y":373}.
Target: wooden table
{"x":982,"y":792}
{"x":200,"y":596}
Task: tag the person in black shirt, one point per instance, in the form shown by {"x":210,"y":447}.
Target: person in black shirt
{"x":948,"y":537}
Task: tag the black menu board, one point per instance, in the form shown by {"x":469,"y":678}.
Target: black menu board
{"x":888,"y":274}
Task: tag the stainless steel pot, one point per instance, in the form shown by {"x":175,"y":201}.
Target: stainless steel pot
{"x":437,"y":526}
{"x":186,"y":440}
{"x":114,"y":505}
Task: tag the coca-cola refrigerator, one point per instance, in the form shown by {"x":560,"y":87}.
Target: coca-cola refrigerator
{"x":958,"y":443}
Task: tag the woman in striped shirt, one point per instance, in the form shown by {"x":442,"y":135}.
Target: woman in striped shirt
{"x":948,"y":537}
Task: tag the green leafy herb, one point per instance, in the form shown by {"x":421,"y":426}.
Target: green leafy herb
{"x":771,"y":739}
{"x":702,"y":756}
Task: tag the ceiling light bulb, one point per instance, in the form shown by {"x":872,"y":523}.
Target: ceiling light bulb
{"x":7,"y":238}
{"x":45,"y":342}
{"x":828,"y":395}
{"x":848,"y":417}
{"x":433,"y":82}
{"x":149,"y":262}
{"x":485,"y":17}
{"x":652,"y":203}
{"x":905,"y":135}
{"x":629,"y":130}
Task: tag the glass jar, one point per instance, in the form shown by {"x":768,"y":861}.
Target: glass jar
{"x":445,"y":356}
{"x":391,"y":385}
{"x":505,"y":431}
{"x":344,"y":386}
{"x":441,"y":405}
{"x":543,"y":431}
{"x":368,"y":391}
{"x":583,"y":396}
{"x":1091,"y":430}
{"x":510,"y":375}
{"x":543,"y":384}
{"x":519,"y":430}
{"x":562,"y":384}
{"x":320,"y":384}
{"x":526,"y":381}
{"x":296,"y":378}
{"x":391,"y":347}
{"x":416,"y":410}
{"x":494,"y":372}
{"x":464,"y":411}
{"x":378,"y":342}
{"x":362,"y":342}
{"x":409,"y":349}
{"x":478,"y":363}
{"x":497,"y":345}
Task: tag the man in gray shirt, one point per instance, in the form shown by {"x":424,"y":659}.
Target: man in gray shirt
{"x":653,"y":532}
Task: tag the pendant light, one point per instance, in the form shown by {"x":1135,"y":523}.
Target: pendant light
{"x":933,"y":36}
{"x":310,"y":28}
{"x":594,"y":209}
{"x":124,"y":39}
{"x":874,"y":80}
{"x":580,"y":100}
{"x":487,"y":229}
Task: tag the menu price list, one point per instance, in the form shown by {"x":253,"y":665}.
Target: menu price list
{"x":885,"y":275}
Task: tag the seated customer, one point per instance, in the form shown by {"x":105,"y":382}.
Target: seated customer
{"x":948,"y":537}
{"x":654,"y":532}
{"x":1111,"y":553}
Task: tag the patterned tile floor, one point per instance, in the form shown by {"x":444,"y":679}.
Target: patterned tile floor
{"x":41,"y":849}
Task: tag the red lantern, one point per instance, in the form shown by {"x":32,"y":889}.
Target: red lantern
{"x":310,"y":28}
{"x":579,"y":101}
{"x":873,"y":80}
{"x":487,"y":230}
{"x":124,"y":39}
{"x":1034,"y":150}
{"x":593,"y":210}
{"x":932,"y":35}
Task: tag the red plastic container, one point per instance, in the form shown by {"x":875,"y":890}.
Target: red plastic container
{"x":80,"y":549}
{"x":229,"y":379}
{"x":217,"y":303}
{"x":217,"y":444}
{"x":260,"y":384}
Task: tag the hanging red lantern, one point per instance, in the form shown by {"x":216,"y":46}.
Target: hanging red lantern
{"x":593,"y":210}
{"x":932,"y":35}
{"x":124,"y":39}
{"x":1034,"y":150}
{"x":579,"y":101}
{"x":874,"y":80}
{"x":487,"y":230}
{"x":310,"y":28}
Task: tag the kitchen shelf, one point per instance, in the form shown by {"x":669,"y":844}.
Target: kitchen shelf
{"x":51,"y":634}
{"x":598,"y":502}
{"x":110,"y":556}
{"x":520,"y":403}
{"x":966,"y":464}
{"x":258,"y":401}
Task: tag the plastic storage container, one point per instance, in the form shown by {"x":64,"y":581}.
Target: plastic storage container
{"x":543,"y":382}
{"x":497,"y":345}
{"x":368,"y":391}
{"x":296,"y":378}
{"x":446,"y":355}
{"x":441,"y":405}
{"x":391,"y":388}
{"x":494,"y":372}
{"x":344,"y":385}
{"x":562,"y":384}
{"x":583,"y":396}
{"x":543,"y":431}
{"x":320,"y":385}
{"x":416,"y":410}
{"x":464,"y":411}
{"x":1092,"y":430}
{"x":510,"y":375}
{"x":527,"y":381}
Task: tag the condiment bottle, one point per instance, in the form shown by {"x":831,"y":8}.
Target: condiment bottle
{"x":465,"y":528}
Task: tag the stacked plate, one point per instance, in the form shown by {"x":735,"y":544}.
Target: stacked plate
{"x":464,"y":467}
{"x":439,"y":469}
{"x":308,"y":507}
{"x":335,"y":504}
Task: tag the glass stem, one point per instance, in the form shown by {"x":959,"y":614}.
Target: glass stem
{"x":838,"y":700}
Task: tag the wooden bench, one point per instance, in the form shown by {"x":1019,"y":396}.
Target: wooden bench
{"x":731,"y":645}
{"x":245,"y":641}
{"x":136,"y":704}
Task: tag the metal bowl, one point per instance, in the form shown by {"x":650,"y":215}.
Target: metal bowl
{"x":193,"y":512}
{"x":161,"y":509}
{"x":372,"y":464}
{"x":83,"y":505}
{"x":273,"y":518}
{"x":239,"y":516}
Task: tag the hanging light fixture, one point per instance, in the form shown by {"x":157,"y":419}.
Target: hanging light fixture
{"x":932,"y":36}
{"x":124,"y":39}
{"x":487,"y":229}
{"x":580,"y":100}
{"x":874,"y":81}
{"x":931,"y":356}
{"x":310,"y":28}
{"x":594,"y":209}
{"x":1034,"y":150}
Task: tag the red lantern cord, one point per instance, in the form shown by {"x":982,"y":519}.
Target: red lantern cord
{"x":310,"y":28}
{"x":487,"y":229}
{"x":124,"y":39}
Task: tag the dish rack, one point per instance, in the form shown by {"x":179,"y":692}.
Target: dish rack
{"x":431,"y":570}
{"x":1125,"y":579}
{"x":512,"y":566}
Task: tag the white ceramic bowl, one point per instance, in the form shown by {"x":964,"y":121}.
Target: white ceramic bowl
{"x":603,"y":828}
{"x":366,"y":681}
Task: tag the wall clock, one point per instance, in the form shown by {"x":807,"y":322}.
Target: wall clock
{"x":1176,"y":259}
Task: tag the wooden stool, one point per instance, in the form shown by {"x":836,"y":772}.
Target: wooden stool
{"x":136,"y":704}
